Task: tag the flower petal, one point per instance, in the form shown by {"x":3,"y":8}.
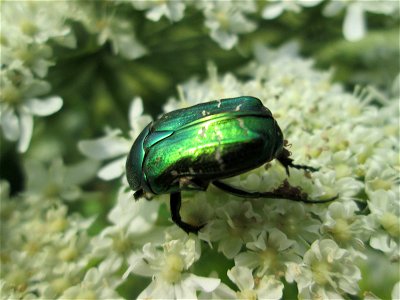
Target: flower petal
{"x":135,"y":110}
{"x":26,"y":125}
{"x":184,"y":290}
{"x":10,"y":125}
{"x":354,"y":23}
{"x":271,"y":11}
{"x":44,"y":107}
{"x":202,"y":283}
{"x":106,"y":147}
{"x":158,"y":289}
{"x":269,"y":288}
{"x":309,"y":3}
{"x":242,"y":277}
{"x":226,"y":40}
{"x":230,"y":246}
{"x":81,"y":172}
{"x":112,"y":170}
{"x":70,"y":193}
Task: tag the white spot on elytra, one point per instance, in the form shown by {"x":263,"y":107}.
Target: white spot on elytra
{"x":241,"y":125}
{"x":202,"y":131}
{"x":219,"y":103}
{"x":238,"y":107}
{"x":219,"y":159}
{"x":219,"y":136}
{"x":203,"y":113}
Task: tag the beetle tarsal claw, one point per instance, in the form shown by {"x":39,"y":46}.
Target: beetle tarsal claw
{"x":286,"y":161}
{"x":295,"y":193}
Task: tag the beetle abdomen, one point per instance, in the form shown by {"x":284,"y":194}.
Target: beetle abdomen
{"x":210,"y":149}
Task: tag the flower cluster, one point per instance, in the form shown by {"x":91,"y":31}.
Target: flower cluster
{"x":313,"y":245}
{"x":46,"y":251}
{"x":226,"y":21}
{"x":25,"y":60}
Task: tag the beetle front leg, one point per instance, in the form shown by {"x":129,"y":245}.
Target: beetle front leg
{"x":286,"y":191}
{"x":175,"y":205}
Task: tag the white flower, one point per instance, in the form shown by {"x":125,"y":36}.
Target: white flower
{"x":26,"y":28}
{"x":354,"y":24}
{"x":347,"y":228}
{"x":102,"y":21}
{"x":169,"y":269}
{"x":119,"y":33}
{"x":327,"y":271}
{"x":266,"y":287}
{"x":268,"y":254}
{"x":276,"y":7}
{"x":380,"y":176}
{"x":34,"y":56}
{"x":132,"y":225}
{"x":46,"y":249}
{"x":385,"y":215}
{"x":294,"y":220}
{"x":113,"y":146}
{"x":235,"y":224}
{"x":57,"y":180}
{"x":228,"y":19}
{"x":95,"y":285}
{"x":173,"y":10}
{"x":37,"y":22}
{"x":20,"y":101}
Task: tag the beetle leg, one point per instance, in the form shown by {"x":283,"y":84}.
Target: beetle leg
{"x":175,"y":205}
{"x":286,"y":191}
{"x":286,"y":161}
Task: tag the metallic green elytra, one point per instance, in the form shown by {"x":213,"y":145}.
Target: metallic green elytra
{"x":187,"y":149}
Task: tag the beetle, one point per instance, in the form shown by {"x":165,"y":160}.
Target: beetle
{"x":189,"y":148}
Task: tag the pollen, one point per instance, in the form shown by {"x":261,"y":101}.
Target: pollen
{"x":172,"y":269}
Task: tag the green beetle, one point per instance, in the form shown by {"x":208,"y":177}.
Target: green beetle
{"x":187,"y":149}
